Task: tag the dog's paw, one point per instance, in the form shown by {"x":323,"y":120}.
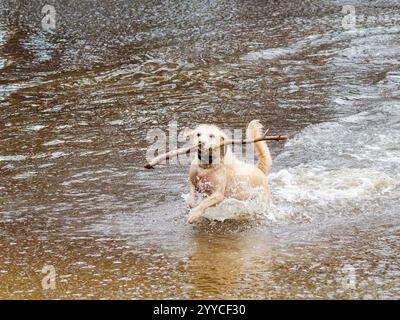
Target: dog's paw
{"x":191,"y":204}
{"x":193,"y":216}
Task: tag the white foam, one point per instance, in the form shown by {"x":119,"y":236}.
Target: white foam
{"x":233,"y":209}
{"x":58,"y":154}
{"x":35,"y":127}
{"x":12,"y":158}
{"x":25,"y":175}
{"x":318,"y":184}
{"x":117,"y":122}
{"x":336,"y":167}
{"x":54,"y":142}
{"x":268,"y":54}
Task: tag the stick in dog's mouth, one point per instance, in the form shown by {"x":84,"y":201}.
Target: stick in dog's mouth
{"x":206,"y":156}
{"x":186,"y":150}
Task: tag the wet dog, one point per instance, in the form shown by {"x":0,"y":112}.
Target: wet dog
{"x":218,"y":174}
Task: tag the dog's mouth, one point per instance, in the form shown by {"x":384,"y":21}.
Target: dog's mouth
{"x":205,"y":155}
{"x":209,"y":155}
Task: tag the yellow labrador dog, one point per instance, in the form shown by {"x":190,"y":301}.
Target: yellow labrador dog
{"x":218,"y":174}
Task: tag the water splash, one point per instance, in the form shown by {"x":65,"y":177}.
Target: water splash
{"x":256,"y":207}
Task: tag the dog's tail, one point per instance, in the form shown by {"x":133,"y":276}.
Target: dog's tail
{"x":254,"y":130}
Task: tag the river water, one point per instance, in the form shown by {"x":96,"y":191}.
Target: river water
{"x":77,"y":103}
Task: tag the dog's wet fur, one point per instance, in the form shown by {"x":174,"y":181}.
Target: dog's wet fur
{"x":218,"y":174}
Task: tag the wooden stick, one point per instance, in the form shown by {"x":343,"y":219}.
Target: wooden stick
{"x":173,"y":153}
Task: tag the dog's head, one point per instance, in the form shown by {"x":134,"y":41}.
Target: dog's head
{"x":207,"y":136}
{"x":208,"y":139}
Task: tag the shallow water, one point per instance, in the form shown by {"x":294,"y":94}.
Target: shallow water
{"x":77,"y":104}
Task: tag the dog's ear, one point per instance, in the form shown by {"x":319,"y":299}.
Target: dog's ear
{"x":223,"y":135}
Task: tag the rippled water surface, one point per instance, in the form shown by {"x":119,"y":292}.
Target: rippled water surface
{"x":77,"y":103}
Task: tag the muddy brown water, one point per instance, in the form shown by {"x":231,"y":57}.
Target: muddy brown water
{"x":77,"y":103}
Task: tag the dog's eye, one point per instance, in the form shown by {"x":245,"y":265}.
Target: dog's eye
{"x":199,"y":134}
{"x":212,"y":136}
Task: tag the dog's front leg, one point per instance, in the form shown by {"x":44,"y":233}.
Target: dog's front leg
{"x":192,"y":196}
{"x":210,"y":201}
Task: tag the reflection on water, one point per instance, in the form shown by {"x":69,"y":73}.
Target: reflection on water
{"x":76,"y":105}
